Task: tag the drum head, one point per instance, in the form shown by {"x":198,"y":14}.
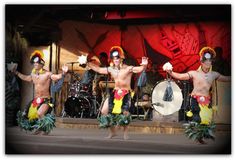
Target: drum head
{"x":72,"y":107}
{"x":78,"y":107}
{"x":166,"y":107}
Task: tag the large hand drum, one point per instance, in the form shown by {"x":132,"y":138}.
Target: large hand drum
{"x":166,"y":107}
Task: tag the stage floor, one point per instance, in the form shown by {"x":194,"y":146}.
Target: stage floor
{"x":137,"y":125}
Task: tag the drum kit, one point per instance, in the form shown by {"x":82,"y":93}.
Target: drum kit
{"x":82,"y":103}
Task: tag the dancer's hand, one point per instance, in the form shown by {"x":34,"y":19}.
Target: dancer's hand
{"x":144,"y":61}
{"x":82,"y":59}
{"x":167,"y":67}
{"x":64,"y":68}
{"x":12,"y":67}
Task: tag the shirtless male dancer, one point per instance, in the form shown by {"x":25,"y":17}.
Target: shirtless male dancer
{"x":202,"y":82}
{"x":115,"y":110}
{"x":41,"y":103}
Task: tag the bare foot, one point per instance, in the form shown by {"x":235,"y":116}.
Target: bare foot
{"x":110,"y":136}
{"x":201,"y":141}
{"x":126,"y":137}
{"x":45,"y":133}
{"x":37,"y":132}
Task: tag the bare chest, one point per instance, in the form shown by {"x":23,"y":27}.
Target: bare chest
{"x":42,"y":79}
{"x":120,"y":74}
{"x":205,"y":78}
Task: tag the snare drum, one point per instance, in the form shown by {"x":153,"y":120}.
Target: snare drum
{"x":166,"y":107}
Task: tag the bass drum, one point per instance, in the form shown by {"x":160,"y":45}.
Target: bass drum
{"x":166,"y":107}
{"x":78,"y":107}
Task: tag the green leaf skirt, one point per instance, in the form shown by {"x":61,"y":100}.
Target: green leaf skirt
{"x":46,"y":124}
{"x":110,"y":120}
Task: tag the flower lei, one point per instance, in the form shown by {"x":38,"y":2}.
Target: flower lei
{"x":41,"y":71}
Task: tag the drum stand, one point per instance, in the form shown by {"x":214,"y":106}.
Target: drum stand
{"x":63,"y":112}
{"x":144,"y":105}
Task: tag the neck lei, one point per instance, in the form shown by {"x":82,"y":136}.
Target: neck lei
{"x":205,"y":74}
{"x":116,"y":71}
{"x":117,"y":68}
{"x":205,"y":71}
{"x":34,"y":71}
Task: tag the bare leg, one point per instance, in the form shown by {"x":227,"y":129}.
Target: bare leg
{"x":126,"y":137}
{"x":104,"y":111}
{"x":112,"y":133}
{"x":126,"y":127}
{"x":105,"y":108}
{"x":42,"y":110}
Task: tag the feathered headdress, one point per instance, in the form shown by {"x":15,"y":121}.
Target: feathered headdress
{"x":37,"y":57}
{"x":116,"y":51}
{"x":207,"y":53}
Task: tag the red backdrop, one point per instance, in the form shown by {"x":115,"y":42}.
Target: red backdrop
{"x":178,"y":43}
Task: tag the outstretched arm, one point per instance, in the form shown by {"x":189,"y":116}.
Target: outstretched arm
{"x":96,"y":68}
{"x":180,"y":76}
{"x":55,"y":77}
{"x":139,"y":69}
{"x":83,"y":61}
{"x":142,"y":66}
{"x":224,"y":78}
{"x":27,"y":78}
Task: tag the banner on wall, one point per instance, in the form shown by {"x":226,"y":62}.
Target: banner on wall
{"x":177,"y":43}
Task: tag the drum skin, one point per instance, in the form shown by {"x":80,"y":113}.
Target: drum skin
{"x":72,"y":107}
{"x":166,"y":107}
{"x":75,"y":106}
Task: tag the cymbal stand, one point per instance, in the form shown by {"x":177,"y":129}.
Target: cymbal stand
{"x":72,"y":71}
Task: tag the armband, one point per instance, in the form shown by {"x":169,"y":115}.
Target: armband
{"x":131,"y":69}
{"x":190,"y":77}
